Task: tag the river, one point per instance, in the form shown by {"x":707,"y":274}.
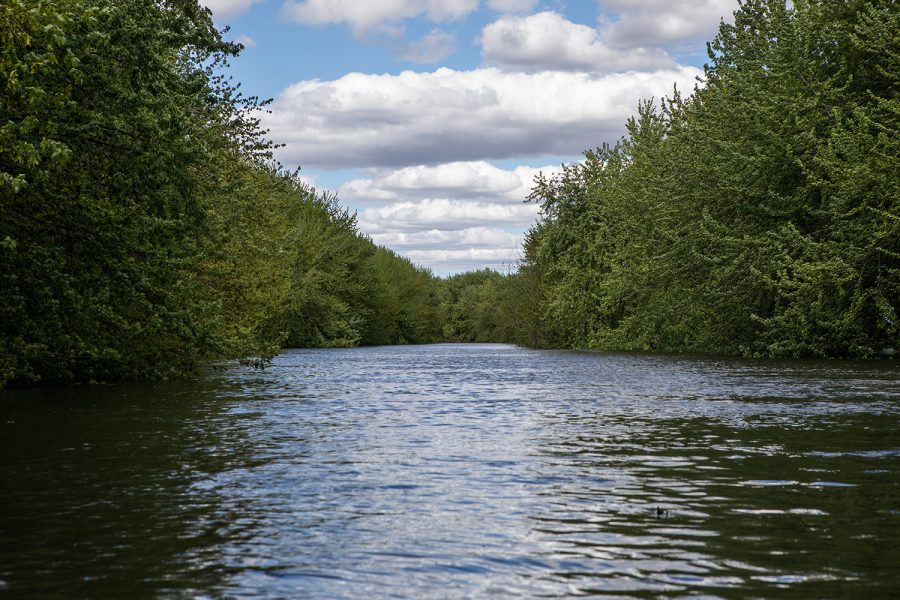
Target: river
{"x":459,"y":471}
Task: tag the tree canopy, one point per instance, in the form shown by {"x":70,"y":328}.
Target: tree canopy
{"x":758,"y":216}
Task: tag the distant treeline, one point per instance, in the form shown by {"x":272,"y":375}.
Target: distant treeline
{"x":145,"y":228}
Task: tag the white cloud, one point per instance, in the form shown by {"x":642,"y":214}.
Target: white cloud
{"x":462,"y":239}
{"x":309,"y":180}
{"x":423,"y":140}
{"x":445,"y":215}
{"x":511,"y":5}
{"x":458,"y":180}
{"x":223,"y":9}
{"x":368,"y":15}
{"x":478,"y":223}
{"x":365,"y":120}
{"x":246,"y":41}
{"x":642,"y":23}
{"x":450,"y":251}
{"x":445,"y":262}
{"x":365,"y":16}
{"x":547,"y":40}
{"x":435,"y":46}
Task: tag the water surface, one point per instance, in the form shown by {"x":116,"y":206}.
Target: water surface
{"x":459,"y":471}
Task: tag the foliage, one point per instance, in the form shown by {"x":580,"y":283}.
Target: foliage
{"x":110,"y":111}
{"x":759,"y":216}
{"x":144,"y":227}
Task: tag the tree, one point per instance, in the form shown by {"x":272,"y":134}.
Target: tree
{"x":111,"y":112}
{"x":758,"y":216}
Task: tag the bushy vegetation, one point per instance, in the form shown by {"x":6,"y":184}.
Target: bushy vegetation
{"x":759,"y":216}
{"x":145,"y":228}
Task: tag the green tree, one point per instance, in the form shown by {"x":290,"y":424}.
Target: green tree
{"x":110,"y":111}
{"x":758,"y":216}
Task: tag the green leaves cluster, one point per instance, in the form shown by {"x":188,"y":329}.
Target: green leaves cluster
{"x":109,"y":114}
{"x":758,"y":217}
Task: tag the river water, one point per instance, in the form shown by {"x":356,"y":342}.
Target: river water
{"x":459,"y":471}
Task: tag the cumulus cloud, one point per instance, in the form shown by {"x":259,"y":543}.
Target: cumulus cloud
{"x":443,"y":214}
{"x":245,"y":40}
{"x":475,"y":217}
{"x":642,"y":23}
{"x":457,"y":180}
{"x":435,"y":46}
{"x":224,"y":9}
{"x":511,"y":5}
{"x":445,"y":262}
{"x":547,"y":40}
{"x":462,"y":239}
{"x":309,"y":180}
{"x":363,"y":120}
{"x":366,"y":16}
{"x":450,"y":251}
{"x":423,"y":141}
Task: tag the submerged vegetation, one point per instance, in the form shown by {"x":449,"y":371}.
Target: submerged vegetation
{"x":145,"y":227}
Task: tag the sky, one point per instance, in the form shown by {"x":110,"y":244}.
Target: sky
{"x":431,"y":118}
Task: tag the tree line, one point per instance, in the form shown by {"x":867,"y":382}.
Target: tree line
{"x":758,"y":216}
{"x":147,"y":229}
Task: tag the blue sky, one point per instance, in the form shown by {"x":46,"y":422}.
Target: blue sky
{"x":430,"y":118}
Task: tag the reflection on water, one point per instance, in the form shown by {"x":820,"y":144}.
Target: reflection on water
{"x":459,"y":471}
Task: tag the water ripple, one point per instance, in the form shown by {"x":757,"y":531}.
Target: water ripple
{"x":459,"y":471}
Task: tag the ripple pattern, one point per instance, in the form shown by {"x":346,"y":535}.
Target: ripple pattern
{"x":459,"y":471}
